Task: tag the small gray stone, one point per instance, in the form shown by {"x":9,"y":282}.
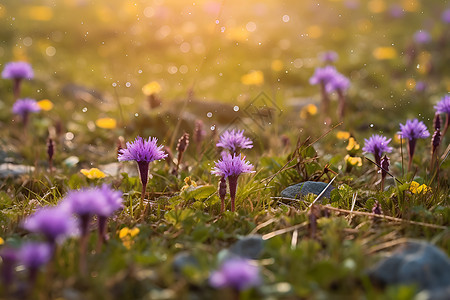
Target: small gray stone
{"x":13,"y":170}
{"x":304,"y":188}
{"x":183,"y":260}
{"x":416,"y":262}
{"x":250,"y":247}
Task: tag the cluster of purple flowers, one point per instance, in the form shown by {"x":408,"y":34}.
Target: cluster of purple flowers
{"x":17,"y":72}
{"x":412,"y":130}
{"x":330,"y":81}
{"x":231,"y":166}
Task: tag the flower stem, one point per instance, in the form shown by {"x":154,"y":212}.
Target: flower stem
{"x":232,"y":183}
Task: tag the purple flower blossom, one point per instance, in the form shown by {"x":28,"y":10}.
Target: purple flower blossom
{"x":443,"y":106}
{"x":24,"y":106}
{"x":232,"y":166}
{"x":34,"y":255}
{"x":86,"y":202}
{"x":18,"y":70}
{"x":9,"y":260}
{"x":414,"y":129}
{"x":322,"y":75}
{"x":236,"y":273}
{"x":56,"y":223}
{"x":396,"y":11}
{"x":328,"y":56}
{"x":422,"y":37}
{"x":446,"y":16}
{"x":113,"y":199}
{"x":421,"y":86}
{"x":142,"y":150}
{"x":234,"y":141}
{"x":377,"y":145}
{"x":338,"y":83}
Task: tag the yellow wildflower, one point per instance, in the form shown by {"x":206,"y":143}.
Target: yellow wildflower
{"x":343,"y":135}
{"x":352,"y":144}
{"x":93,"y":173}
{"x":382,"y":53}
{"x":2,"y":241}
{"x":376,"y":6}
{"x":45,"y":104}
{"x":106,"y":123}
{"x":38,"y":12}
{"x":188,"y":183}
{"x":151,"y":88}
{"x":308,"y":110}
{"x":277,"y":65}
{"x":417,"y":188}
{"x":354,"y":161}
{"x":126,"y":235}
{"x":253,"y":78}
{"x":314,"y":31}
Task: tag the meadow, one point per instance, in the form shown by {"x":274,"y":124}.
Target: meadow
{"x":149,"y":148}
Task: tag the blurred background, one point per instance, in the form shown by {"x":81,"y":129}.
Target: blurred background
{"x":124,"y":60}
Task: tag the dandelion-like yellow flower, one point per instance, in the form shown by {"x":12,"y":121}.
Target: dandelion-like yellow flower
{"x":354,"y":161}
{"x":352,"y":145}
{"x":151,"y":88}
{"x":93,"y":173}
{"x":343,"y":135}
{"x":126,"y":235}
{"x":45,"y":104}
{"x":106,"y":123}
{"x":253,"y":78}
{"x":417,"y":188}
{"x":2,"y":241}
{"x":308,"y":110}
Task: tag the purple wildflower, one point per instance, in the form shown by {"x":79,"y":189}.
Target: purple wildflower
{"x":236,"y":273}
{"x":34,"y":255}
{"x":55,"y":223}
{"x":322,"y":75}
{"x":446,"y":16}
{"x":231,"y":167}
{"x":143,"y":152}
{"x":18,"y":70}
{"x":396,"y":11}
{"x":421,"y":86}
{"x":234,"y":141}
{"x":377,"y":145}
{"x":413,"y":130}
{"x":9,"y":260}
{"x":422,"y":37}
{"x":87,"y":202}
{"x":328,"y":56}
{"x":337,"y":83}
{"x":443,"y":107}
{"x":23,"y":107}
